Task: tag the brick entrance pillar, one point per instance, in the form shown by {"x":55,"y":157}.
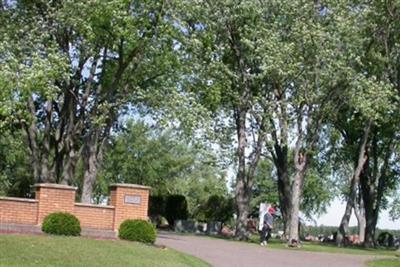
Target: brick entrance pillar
{"x":54,"y":198}
{"x":130,"y":202}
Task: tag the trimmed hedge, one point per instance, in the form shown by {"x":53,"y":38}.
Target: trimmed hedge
{"x":157,"y":206}
{"x":61,"y":223}
{"x":137,"y":230}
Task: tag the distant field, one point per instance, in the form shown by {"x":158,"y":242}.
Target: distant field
{"x":46,"y":251}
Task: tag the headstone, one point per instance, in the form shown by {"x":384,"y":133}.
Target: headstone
{"x":185,"y":226}
{"x":201,"y":228}
{"x":214,"y":228}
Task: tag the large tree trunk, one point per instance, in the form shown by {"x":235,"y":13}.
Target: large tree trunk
{"x":354,"y":185}
{"x":242,"y":190}
{"x":301,"y":164}
{"x":45,"y":166}
{"x":373,"y":184}
{"x":90,"y":168}
{"x":359,"y":211}
{"x":242,"y":203}
{"x":279,"y":153}
{"x":31,"y":132}
{"x":40,"y":151}
{"x":285,"y":202}
{"x":70,"y":130}
{"x":284,"y":192}
{"x":361,"y":221}
{"x":341,"y":236}
{"x":371,"y":217}
{"x":295,"y":208}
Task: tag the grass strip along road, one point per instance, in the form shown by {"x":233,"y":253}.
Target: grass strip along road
{"x":46,"y":251}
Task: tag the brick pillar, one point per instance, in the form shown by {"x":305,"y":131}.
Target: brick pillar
{"x":54,"y":198}
{"x":130,"y":202}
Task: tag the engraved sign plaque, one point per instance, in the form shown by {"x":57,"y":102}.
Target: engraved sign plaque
{"x":132,"y":199}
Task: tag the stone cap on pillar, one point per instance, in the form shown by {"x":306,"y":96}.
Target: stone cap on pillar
{"x":134,"y":186}
{"x":55,"y":186}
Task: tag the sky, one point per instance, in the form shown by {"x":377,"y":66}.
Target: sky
{"x":335,"y":212}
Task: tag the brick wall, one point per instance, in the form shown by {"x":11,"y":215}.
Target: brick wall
{"x":95,"y":216}
{"x":128,"y":201}
{"x":18,"y":210}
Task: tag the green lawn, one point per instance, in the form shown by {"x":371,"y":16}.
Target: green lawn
{"x":46,"y":251}
{"x":330,"y":248}
{"x":385,"y":263}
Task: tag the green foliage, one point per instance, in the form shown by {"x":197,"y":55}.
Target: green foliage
{"x":137,"y":230}
{"x":265,"y":188}
{"x":318,"y":189}
{"x":61,"y":223}
{"x":144,"y":156}
{"x":164,"y":160}
{"x":85,"y":65}
{"x":216,"y":209}
{"x":15,"y":168}
{"x":157,"y":205}
{"x":176,"y":208}
{"x":69,"y":70}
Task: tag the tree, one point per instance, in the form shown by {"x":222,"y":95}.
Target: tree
{"x":217,"y":208}
{"x":380,"y":173}
{"x":273,"y":77}
{"x":318,"y":188}
{"x":395,"y":210}
{"x":307,"y":89}
{"x":163,"y":159}
{"x":356,"y":140}
{"x":72,"y":66}
{"x":225,"y":77}
{"x":371,"y":132}
{"x":15,"y":170}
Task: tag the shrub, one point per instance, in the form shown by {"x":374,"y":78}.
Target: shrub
{"x":157,"y":206}
{"x":137,"y":230}
{"x":61,"y":223}
{"x":218,"y":208}
{"x":386,"y":239}
{"x":176,"y":208}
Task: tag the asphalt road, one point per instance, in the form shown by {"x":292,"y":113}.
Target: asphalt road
{"x":223,"y":253}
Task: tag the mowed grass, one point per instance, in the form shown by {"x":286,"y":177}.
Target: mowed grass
{"x":331,"y":248}
{"x":46,"y":251}
{"x":327,"y":248}
{"x":384,"y":263}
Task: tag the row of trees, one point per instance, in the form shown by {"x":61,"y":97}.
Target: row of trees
{"x":289,"y":75}
{"x":312,"y":87}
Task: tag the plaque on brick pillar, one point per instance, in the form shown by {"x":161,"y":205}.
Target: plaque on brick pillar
{"x":133,"y":199}
{"x":130,"y":202}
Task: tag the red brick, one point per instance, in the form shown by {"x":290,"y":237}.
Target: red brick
{"x":53,"y":198}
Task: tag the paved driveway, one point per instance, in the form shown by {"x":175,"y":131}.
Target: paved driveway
{"x":221,"y":253}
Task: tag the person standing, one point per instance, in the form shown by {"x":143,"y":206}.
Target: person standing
{"x":268,"y":222}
